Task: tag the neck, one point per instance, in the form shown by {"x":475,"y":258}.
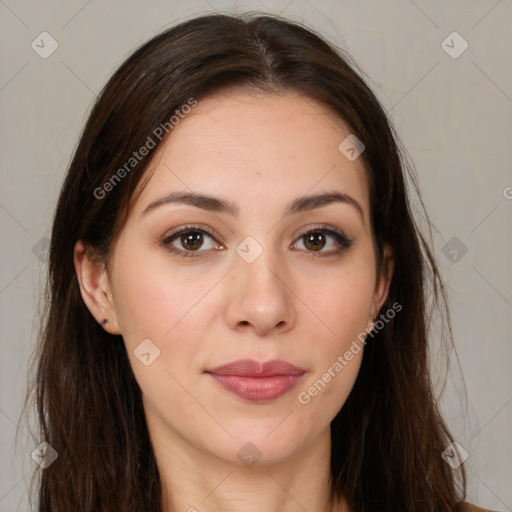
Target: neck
{"x":196,"y":481}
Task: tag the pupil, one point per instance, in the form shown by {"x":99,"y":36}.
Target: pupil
{"x":316,"y":240}
{"x":192,"y":240}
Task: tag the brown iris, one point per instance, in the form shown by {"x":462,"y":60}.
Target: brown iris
{"x":314,"y":241}
{"x":192,"y":240}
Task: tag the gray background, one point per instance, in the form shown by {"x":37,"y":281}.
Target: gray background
{"x":453,"y":115}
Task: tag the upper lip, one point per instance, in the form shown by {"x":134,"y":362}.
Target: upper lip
{"x":252,"y":368}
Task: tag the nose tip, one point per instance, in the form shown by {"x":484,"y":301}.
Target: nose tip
{"x":261,"y":301}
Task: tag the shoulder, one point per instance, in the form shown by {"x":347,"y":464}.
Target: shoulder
{"x":473,"y":508}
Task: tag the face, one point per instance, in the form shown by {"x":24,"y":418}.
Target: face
{"x":259,"y":270}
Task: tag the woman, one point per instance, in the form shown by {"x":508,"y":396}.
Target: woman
{"x":237,"y":312}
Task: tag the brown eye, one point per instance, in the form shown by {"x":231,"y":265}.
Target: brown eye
{"x":322,"y":241}
{"x":314,"y":241}
{"x":192,"y":240}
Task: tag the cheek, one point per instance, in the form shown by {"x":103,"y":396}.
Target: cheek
{"x":342,"y":304}
{"x":155,"y":298}
{"x":337,"y":355}
{"x":157,"y":315}
{"x":325,"y":392}
{"x":171,"y":308}
{"x":343,"y":308}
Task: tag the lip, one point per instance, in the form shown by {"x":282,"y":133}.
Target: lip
{"x":257,"y":381}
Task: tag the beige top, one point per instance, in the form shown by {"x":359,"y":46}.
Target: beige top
{"x":474,"y":508}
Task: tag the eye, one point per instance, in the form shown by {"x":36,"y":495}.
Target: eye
{"x":316,"y":239}
{"x":191,"y":239}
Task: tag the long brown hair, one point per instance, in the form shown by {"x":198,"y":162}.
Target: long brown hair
{"x":388,"y":438}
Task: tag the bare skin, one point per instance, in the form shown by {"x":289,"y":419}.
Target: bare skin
{"x":301,"y":302}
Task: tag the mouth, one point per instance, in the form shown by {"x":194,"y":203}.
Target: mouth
{"x":257,"y":381}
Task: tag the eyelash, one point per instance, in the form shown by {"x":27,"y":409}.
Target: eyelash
{"x":343,"y":241}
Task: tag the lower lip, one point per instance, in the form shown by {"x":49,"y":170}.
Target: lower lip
{"x":258,"y":389}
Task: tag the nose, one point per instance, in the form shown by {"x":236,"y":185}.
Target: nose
{"x":261,"y":297}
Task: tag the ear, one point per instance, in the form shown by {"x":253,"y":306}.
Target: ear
{"x":383,"y":280}
{"x":95,"y":288}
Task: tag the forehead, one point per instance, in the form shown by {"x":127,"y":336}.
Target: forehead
{"x":256,"y":149}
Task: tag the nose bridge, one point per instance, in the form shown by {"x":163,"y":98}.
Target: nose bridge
{"x":262,"y":296}
{"x":259,"y":267}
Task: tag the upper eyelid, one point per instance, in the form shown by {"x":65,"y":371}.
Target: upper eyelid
{"x":186,"y":229}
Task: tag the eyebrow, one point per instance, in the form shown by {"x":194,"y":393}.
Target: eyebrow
{"x":216,"y":204}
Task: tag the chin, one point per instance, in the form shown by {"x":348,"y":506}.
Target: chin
{"x":266,"y":444}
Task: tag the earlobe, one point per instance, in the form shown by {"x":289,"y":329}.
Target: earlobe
{"x":95,"y":288}
{"x":384,"y":278}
